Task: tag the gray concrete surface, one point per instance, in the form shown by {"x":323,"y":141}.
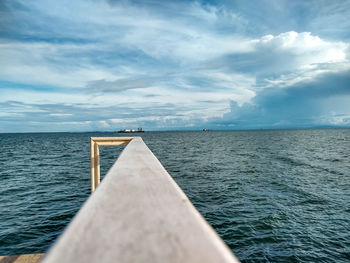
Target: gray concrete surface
{"x":139,"y":214}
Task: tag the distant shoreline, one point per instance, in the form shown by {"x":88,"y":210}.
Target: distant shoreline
{"x":184,"y":130}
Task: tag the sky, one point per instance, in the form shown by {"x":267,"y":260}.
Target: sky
{"x":84,"y":65}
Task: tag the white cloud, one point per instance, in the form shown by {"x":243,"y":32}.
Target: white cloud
{"x":306,"y":73}
{"x":60,"y":114}
{"x":298,"y":57}
{"x":48,"y":64}
{"x":308,"y":48}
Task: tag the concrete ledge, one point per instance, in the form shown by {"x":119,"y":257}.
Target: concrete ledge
{"x":138,"y":214}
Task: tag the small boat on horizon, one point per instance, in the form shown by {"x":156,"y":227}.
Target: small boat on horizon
{"x":131,"y":131}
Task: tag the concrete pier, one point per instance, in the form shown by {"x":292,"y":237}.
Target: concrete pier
{"x":138,"y":214}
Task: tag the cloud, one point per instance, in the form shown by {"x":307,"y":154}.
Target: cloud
{"x":321,"y":102}
{"x":330,"y":18}
{"x":86,"y":117}
{"x":285,"y":53}
{"x":48,"y":64}
{"x":121,"y":84}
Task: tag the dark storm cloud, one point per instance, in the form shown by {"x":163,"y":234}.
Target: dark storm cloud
{"x":303,"y":105}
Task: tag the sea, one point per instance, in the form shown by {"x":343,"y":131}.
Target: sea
{"x":272,"y":195}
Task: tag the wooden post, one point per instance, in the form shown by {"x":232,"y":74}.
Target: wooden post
{"x":92,"y":162}
{"x":97,"y":165}
{"x":95,"y":142}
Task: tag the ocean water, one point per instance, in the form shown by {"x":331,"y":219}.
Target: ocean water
{"x":272,"y":195}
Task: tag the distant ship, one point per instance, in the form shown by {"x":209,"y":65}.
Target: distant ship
{"x":131,"y":131}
